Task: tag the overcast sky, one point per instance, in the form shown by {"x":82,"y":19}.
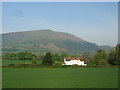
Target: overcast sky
{"x":94,"y":22}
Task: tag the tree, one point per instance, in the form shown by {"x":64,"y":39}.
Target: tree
{"x":34,"y":62}
{"x":88,"y":57}
{"x":25,"y":56}
{"x":7,"y":56}
{"x":112,"y":58}
{"x":10,"y":56}
{"x":102,"y":62}
{"x":118,"y":53}
{"x":40,"y":57}
{"x":100,"y":54}
{"x":63,"y":55}
{"x":56,"y":57}
{"x":48,"y":59}
{"x":34,"y":59}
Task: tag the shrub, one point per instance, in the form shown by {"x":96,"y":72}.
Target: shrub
{"x":102,"y":62}
{"x":64,"y":66}
{"x":23,"y":65}
{"x":57,"y":65}
{"x":74,"y":66}
{"x":11,"y":64}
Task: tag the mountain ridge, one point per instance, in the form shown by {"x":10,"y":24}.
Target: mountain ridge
{"x":46,"y":40}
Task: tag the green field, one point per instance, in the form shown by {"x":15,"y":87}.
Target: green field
{"x":60,"y":77}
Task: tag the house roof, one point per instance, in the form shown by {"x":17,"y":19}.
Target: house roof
{"x":74,"y":58}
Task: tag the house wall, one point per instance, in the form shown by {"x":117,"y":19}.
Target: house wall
{"x":73,"y":62}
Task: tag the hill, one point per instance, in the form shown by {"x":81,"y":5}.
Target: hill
{"x":106,"y":47}
{"x":41,"y":41}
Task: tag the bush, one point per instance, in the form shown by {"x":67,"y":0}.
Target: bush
{"x":11,"y":64}
{"x":64,"y":66}
{"x":23,"y":65}
{"x":75,"y":66}
{"x":57,"y":65}
{"x":102,"y":62}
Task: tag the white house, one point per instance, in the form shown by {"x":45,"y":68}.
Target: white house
{"x":74,"y":61}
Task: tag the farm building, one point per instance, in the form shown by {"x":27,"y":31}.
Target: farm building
{"x":74,"y":61}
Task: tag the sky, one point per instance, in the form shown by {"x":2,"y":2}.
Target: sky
{"x":96,"y":22}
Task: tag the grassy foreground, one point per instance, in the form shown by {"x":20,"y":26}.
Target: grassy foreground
{"x":60,"y":78}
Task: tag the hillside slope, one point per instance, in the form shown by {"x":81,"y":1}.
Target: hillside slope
{"x":42,"y":41}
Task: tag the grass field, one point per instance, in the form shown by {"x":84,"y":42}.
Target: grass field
{"x":60,"y":78}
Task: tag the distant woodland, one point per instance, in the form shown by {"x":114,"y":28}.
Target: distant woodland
{"x":100,"y":58}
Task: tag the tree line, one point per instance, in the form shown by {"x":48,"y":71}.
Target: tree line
{"x":100,"y":58}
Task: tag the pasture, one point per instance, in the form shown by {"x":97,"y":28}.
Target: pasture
{"x":60,"y":77}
